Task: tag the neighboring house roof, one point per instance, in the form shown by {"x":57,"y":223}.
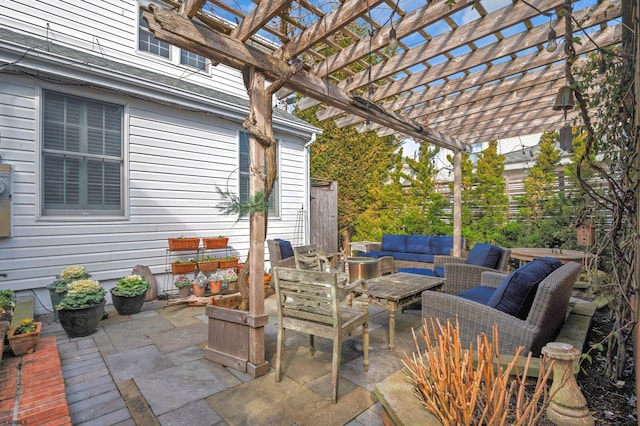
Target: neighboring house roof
{"x":231,"y":107}
{"x":519,"y":158}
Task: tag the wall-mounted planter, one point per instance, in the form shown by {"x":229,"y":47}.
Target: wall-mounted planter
{"x":178,"y":244}
{"x":215,"y":242}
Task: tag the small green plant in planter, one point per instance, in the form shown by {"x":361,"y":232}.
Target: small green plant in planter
{"x":7,"y":303}
{"x":82,"y":294}
{"x":82,"y":308}
{"x":66,"y":276}
{"x":130,"y":286}
{"x":182,"y":281}
{"x":129,"y":293}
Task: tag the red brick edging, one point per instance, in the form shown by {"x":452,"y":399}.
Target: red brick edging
{"x":33,"y":386}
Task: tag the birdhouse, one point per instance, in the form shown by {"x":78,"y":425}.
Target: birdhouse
{"x":585,"y":234}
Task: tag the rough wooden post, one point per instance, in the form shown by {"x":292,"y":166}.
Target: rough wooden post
{"x":568,"y":405}
{"x":257,"y":366}
{"x":457,"y":203}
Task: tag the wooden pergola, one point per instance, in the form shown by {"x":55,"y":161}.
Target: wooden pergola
{"x":451,"y":73}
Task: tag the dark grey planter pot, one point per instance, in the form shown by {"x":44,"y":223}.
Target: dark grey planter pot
{"x":128,"y":305}
{"x":80,"y":322}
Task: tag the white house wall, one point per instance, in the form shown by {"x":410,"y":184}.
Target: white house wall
{"x":175,"y":156}
{"x":108,"y":29}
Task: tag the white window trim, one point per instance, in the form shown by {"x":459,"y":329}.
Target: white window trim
{"x":174,"y":51}
{"x":38,"y":144}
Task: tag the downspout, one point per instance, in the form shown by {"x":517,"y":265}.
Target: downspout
{"x":307,"y":188}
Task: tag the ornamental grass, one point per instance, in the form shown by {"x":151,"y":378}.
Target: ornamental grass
{"x":460,"y":386}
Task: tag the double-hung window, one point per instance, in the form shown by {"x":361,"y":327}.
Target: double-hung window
{"x":82,"y":156}
{"x":274,"y":200}
{"x":148,"y":43}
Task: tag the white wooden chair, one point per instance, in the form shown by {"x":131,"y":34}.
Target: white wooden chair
{"x":309,"y":302}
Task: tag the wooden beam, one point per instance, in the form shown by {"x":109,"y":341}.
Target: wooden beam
{"x":254,"y":21}
{"x":500,"y":19}
{"x":178,"y":30}
{"x":609,"y":36}
{"x":189,"y":8}
{"x":329,"y":24}
{"x":479,"y":57}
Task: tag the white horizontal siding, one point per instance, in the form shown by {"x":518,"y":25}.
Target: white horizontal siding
{"x":175,"y":159}
{"x":108,"y":29}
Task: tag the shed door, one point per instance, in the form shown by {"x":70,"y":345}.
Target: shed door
{"x":323,"y":212}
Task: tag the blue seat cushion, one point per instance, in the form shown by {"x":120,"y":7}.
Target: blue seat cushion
{"x":480,"y":294}
{"x":376,"y":254}
{"x":486,"y":255}
{"x":439,"y":271}
{"x":418,"y":271}
{"x":516,"y":292}
{"x":286,"y":250}
{"x":394,"y":243}
{"x":414,"y":257}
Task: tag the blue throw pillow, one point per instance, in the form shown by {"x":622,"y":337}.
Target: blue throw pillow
{"x":286,"y":250}
{"x":486,"y":255}
{"x":441,"y":244}
{"x":518,"y":289}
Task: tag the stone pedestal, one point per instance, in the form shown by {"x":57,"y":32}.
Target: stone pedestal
{"x":568,"y":405}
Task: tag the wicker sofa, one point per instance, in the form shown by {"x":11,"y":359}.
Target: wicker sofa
{"x":411,"y":251}
{"x":541,"y":324}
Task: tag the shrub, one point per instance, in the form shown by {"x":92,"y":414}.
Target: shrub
{"x":131,"y":286}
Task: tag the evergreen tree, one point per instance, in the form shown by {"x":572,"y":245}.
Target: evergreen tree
{"x":539,"y":186}
{"x":488,"y":198}
{"x":356,"y":161}
{"x":425,"y":208}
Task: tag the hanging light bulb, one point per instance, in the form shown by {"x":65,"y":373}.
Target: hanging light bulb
{"x":552,"y":44}
{"x":393,"y":40}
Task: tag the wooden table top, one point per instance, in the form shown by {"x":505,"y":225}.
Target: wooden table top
{"x":401,"y":284}
{"x":528,"y":254}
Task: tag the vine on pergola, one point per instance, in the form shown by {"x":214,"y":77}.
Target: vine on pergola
{"x":604,"y":93}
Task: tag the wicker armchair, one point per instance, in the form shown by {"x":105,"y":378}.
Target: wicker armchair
{"x":275,"y":256}
{"x":546,"y":316}
{"x":462,"y":276}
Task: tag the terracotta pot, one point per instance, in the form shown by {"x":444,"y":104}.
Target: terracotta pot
{"x":23,"y":344}
{"x":197,"y":290}
{"x":215,"y":287}
{"x":215,"y":242}
{"x":228,"y":263}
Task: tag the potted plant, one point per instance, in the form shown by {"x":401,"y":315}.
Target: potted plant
{"x":183,"y":266}
{"x":183,"y":283}
{"x":129,"y":293}
{"x":58,"y":289}
{"x":215,"y":242}
{"x":228,"y":262}
{"x":199,"y":284}
{"x":184,"y":243}
{"x":215,"y":283}
{"x":24,"y":337}
{"x":207,"y":264}
{"x":7,"y":303}
{"x":229,"y":276}
{"x":82,"y":308}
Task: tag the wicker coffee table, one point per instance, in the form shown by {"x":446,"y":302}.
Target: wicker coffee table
{"x":395,"y":291}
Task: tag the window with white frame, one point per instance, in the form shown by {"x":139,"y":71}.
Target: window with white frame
{"x":148,"y":43}
{"x":274,"y":200}
{"x":193,"y":60}
{"x":82,"y":156}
